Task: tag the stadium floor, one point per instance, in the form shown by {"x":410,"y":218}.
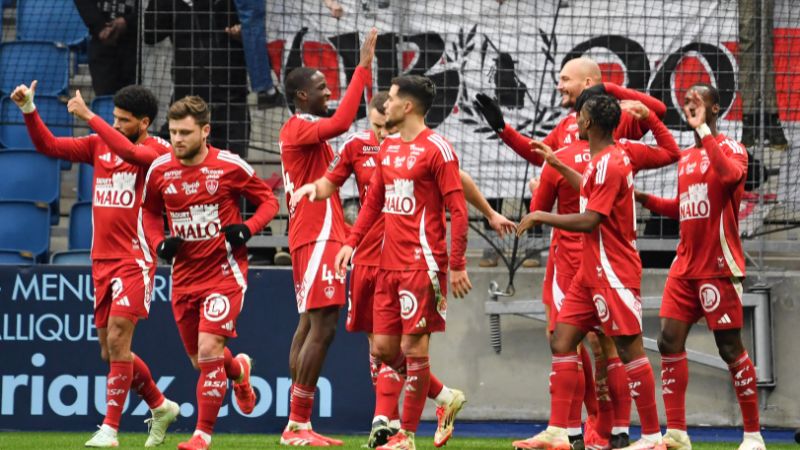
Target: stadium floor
{"x":476,"y":435}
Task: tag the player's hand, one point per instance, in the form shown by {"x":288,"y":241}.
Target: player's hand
{"x":695,"y":110}
{"x":547,"y":153}
{"x":637,"y":109}
{"x":307,"y":190}
{"x":533,"y":185}
{"x":368,"y":49}
{"x":640,"y":197}
{"x":77,"y":107}
{"x":237,"y":234}
{"x":168,"y":248}
{"x":235,"y":32}
{"x":23,"y":96}
{"x":490,"y":111}
{"x":527,"y":222}
{"x":342,"y":260}
{"x":336,"y":8}
{"x":459,"y":283}
{"x":500,"y":224}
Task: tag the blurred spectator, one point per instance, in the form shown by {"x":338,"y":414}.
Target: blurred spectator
{"x":112,"y":47}
{"x":752,"y":14}
{"x":208,"y":62}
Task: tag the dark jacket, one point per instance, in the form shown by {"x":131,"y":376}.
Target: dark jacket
{"x":96,"y":13}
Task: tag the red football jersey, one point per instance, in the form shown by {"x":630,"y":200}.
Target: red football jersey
{"x":708,"y":206}
{"x":359,"y":155}
{"x":610,"y":258}
{"x":117,"y":185}
{"x":410,"y":186}
{"x":200,"y":200}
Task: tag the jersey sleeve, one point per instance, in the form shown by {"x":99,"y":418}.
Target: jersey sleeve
{"x":607,"y":183}
{"x":444,"y":166}
{"x":668,"y":207}
{"x":545,"y":196}
{"x":72,"y":149}
{"x":254,"y":189}
{"x":341,"y":167}
{"x":729,"y":163}
{"x":151,"y":222}
{"x":140,"y":155}
{"x":621,"y":93}
{"x":522,"y":145}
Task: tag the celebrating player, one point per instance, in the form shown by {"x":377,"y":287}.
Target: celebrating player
{"x":199,"y":188}
{"x":123,"y":281}
{"x":705,"y":279}
{"x":358,"y":155}
{"x":416,"y":178}
{"x":606,"y":291}
{"x":316,"y":231}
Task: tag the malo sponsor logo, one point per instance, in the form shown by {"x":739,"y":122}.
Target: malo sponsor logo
{"x":119,"y":191}
{"x":694,"y":202}
{"x":400,"y":198}
{"x":201,"y":222}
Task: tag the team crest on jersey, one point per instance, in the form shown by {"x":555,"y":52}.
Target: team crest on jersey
{"x":329,"y":291}
{"x":216,"y":307}
{"x":709,"y":297}
{"x":602,"y":308}
{"x":410,"y":162}
{"x":408,"y":304}
{"x":212,"y":185}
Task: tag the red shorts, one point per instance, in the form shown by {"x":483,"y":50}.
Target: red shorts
{"x":211,"y":311}
{"x":410,"y":302}
{"x":557,"y":294}
{"x":122,"y":288}
{"x":614,"y":311}
{"x":316,"y":284}
{"x":363,"y":281}
{"x":719,"y":300}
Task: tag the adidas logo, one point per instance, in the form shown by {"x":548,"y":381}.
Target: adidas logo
{"x":228,"y":325}
{"x":724,"y":319}
{"x":614,"y":326}
{"x":113,"y":402}
{"x":369,"y":163}
{"x":171,"y":189}
{"x":747,"y":392}
{"x":666,"y":391}
{"x":213,"y":393}
{"x":422,"y":323}
{"x":105,"y":157}
{"x":123,"y":301}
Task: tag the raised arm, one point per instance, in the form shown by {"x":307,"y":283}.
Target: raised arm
{"x":643,"y":156}
{"x":571,"y":175}
{"x":473,"y":195}
{"x":668,"y":207}
{"x":490,"y":111}
{"x":622,"y":93}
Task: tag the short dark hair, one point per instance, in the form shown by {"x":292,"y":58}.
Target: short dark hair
{"x":420,"y":88}
{"x":137,"y":100}
{"x":712,"y":91}
{"x":297,"y":80}
{"x":604,"y":111}
{"x":191,"y":105}
{"x":378,"y":100}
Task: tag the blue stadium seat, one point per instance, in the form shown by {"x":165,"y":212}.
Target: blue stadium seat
{"x":80,"y":226}
{"x":32,"y":176}
{"x":49,"y":20}
{"x":16,"y":258}
{"x":13,"y":133}
{"x":25,"y":61}
{"x":25,"y":227}
{"x":103,"y":106}
{"x":85,"y":183}
{"x":72,"y":258}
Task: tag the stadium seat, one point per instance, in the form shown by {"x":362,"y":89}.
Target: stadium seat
{"x":85,"y":182}
{"x":80,"y":226}
{"x":16,"y":257}
{"x":31,"y":176}
{"x":13,"y":133}
{"x":103,"y":106}
{"x":72,"y":258}
{"x":25,"y":226}
{"x":49,"y":20}
{"x":25,"y":61}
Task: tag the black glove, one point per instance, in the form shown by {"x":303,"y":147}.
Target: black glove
{"x":490,"y":111}
{"x":237,"y":234}
{"x":167,"y":249}
{"x":597,"y":89}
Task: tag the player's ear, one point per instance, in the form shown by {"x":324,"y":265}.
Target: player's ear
{"x":715,"y":109}
{"x":144,"y":124}
{"x":206,"y":131}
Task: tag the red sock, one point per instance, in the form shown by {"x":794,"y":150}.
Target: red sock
{"x":211,"y":388}
{"x":374,"y":369}
{"x":118,"y":384}
{"x":674,"y":379}
{"x":387,"y":392}
{"x":563,"y":380}
{"x":643,"y":391}
{"x":590,"y":391}
{"x":620,"y":392}
{"x":144,"y":385}
{"x":576,"y":405}
{"x":605,"y":413}
{"x":302,"y":403}
{"x":418,"y":380}
{"x":233,"y":369}
{"x":435,"y":388}
{"x":743,"y":374}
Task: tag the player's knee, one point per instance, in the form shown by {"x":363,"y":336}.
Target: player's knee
{"x":730,"y":351}
{"x":668,"y":343}
{"x":383,"y":351}
{"x":594,"y":344}
{"x":559,"y":345}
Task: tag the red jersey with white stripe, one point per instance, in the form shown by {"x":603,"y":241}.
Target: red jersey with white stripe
{"x":610,"y":258}
{"x":410,"y":185}
{"x":304,"y":158}
{"x":200,"y":200}
{"x":117,"y":185}
{"x":359,"y":156}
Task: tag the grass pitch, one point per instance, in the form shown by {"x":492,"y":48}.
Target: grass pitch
{"x":223,"y":441}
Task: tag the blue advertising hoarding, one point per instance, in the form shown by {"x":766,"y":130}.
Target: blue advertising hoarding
{"x":52,"y":377}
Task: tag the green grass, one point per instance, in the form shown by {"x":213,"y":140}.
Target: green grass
{"x":65,"y":441}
